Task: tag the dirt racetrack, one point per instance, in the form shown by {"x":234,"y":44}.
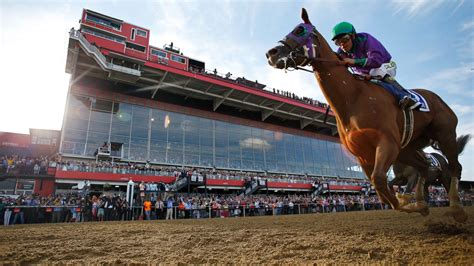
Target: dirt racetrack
{"x":354,"y":237}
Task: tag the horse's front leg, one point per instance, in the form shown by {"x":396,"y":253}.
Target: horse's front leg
{"x":385,"y":154}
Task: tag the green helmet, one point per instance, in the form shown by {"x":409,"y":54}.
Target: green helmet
{"x":341,"y":29}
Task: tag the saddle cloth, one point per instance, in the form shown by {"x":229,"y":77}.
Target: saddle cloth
{"x":434,"y":163}
{"x":419,"y":98}
{"x":415,"y":95}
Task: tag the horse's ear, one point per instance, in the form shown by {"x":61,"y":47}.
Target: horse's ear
{"x":304,"y":16}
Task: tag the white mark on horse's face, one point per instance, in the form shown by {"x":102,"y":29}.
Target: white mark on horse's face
{"x":372,"y":98}
{"x":344,"y":82}
{"x":329,"y":74}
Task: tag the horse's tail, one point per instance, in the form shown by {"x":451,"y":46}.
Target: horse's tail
{"x":461,"y":142}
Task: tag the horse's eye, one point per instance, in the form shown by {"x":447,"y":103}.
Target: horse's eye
{"x":299,"y":31}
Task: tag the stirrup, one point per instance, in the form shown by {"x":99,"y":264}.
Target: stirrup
{"x":408,"y":103}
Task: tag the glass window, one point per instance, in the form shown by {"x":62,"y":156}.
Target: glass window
{"x":141,"y":33}
{"x":222,"y":143}
{"x":158,"y":156}
{"x":205,"y":142}
{"x":135,"y":47}
{"x":140,"y":132}
{"x":76,"y":148}
{"x":235,"y":163}
{"x":206,"y":160}
{"x":271,"y":166}
{"x":222,"y":162}
{"x":103,"y":21}
{"x":122,"y":113}
{"x":120,"y":129}
{"x":140,"y":117}
{"x":99,"y":127}
{"x":178,"y":59}
{"x":75,"y":135}
{"x":175,"y":156}
{"x":102,"y":106}
{"x":94,"y":141}
{"x":159,"y":53}
{"x":103,"y":35}
{"x":76,"y":123}
{"x":138,"y":152}
{"x":191,"y":158}
{"x":79,"y":107}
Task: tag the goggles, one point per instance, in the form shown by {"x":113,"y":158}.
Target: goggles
{"x":342,"y":40}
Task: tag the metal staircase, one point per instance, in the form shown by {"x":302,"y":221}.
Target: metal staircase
{"x":180,"y":184}
{"x":253,"y":186}
{"x":119,"y":72}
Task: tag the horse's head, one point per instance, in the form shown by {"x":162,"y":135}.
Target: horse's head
{"x":298,"y":48}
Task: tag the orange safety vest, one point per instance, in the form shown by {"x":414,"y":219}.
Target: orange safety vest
{"x":147,"y":205}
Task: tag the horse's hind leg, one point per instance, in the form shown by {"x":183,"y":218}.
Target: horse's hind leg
{"x":448,"y":145}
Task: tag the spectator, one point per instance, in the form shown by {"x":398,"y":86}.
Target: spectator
{"x":159,"y":209}
{"x":169,"y":208}
{"x":147,"y":209}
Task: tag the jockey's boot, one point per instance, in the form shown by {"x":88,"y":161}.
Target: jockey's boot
{"x":406,"y":102}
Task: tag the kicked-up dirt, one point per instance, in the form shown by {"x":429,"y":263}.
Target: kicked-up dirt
{"x":354,"y":237}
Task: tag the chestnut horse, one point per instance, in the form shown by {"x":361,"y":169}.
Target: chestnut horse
{"x":369,"y":121}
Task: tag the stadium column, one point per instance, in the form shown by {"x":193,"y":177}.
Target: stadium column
{"x":150,"y":120}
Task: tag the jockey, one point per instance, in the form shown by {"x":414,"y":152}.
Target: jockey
{"x":369,"y":58}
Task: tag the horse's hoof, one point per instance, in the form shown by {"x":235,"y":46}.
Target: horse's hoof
{"x":406,"y":208}
{"x":403,"y":199}
{"x":457,"y":213}
{"x":419,"y":206}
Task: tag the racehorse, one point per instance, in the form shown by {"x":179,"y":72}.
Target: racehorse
{"x":438,"y":173}
{"x":369,"y":122}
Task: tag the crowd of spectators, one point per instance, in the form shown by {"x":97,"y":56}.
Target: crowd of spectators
{"x":307,"y":100}
{"x":13,"y":165}
{"x":16,"y":164}
{"x":86,"y":207}
{"x":174,"y":171}
{"x":256,"y":85}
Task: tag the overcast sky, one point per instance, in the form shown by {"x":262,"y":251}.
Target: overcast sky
{"x":432,"y":42}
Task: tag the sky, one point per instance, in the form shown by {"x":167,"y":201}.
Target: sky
{"x":432,"y":42}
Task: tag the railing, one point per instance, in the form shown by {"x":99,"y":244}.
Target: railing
{"x":101,"y":59}
{"x":114,"y":170}
{"x":59,"y":214}
{"x":118,"y":170}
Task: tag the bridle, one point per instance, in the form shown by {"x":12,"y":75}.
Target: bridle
{"x":303,"y":41}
